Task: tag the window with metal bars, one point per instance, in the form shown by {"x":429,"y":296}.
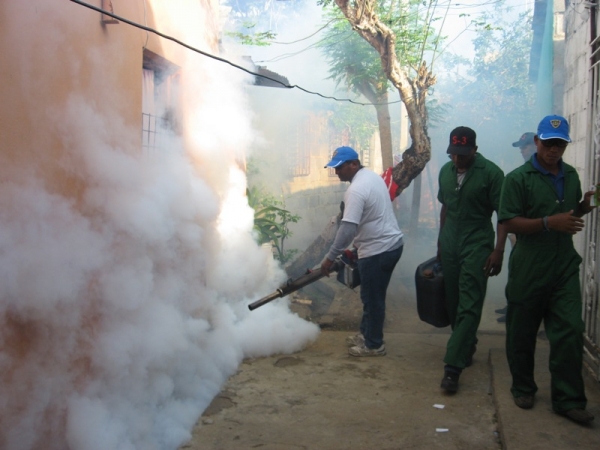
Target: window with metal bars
{"x":339,"y":138}
{"x":159,"y":102}
{"x":301,"y":137}
{"x":156,"y":133}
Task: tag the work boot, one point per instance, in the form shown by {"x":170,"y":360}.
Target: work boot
{"x":501,"y":310}
{"x":501,"y":319}
{"x":363,"y":350}
{"x":357,"y":339}
{"x":450,"y":381}
{"x":524,"y":402}
{"x":578,"y":415}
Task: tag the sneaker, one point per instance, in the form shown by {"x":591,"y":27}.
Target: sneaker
{"x":357,"y":339}
{"x":450,"y":381}
{"x":524,"y":402}
{"x":501,"y":310}
{"x":363,"y":350}
{"x":501,"y":319}
{"x":578,"y":415}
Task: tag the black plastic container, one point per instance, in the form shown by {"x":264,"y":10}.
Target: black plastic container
{"x":431,"y":300}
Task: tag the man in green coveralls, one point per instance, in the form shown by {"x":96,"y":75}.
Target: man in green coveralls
{"x":527,"y":147}
{"x":542,"y":204}
{"x":469,"y":190}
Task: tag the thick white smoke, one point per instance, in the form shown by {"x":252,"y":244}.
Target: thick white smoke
{"x":123,"y":310}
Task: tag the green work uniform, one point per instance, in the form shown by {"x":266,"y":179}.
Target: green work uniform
{"x":466,"y":241}
{"x":543,"y":284}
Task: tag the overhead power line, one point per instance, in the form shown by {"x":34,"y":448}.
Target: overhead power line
{"x":217,"y":58}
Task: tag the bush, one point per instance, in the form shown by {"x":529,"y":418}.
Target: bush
{"x":271,"y":221}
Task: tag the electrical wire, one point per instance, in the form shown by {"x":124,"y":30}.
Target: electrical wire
{"x":223,"y":60}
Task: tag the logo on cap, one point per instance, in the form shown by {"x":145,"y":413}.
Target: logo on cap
{"x":552,"y":127}
{"x":459,"y":140}
{"x":462,"y":141}
{"x":555,"y":123}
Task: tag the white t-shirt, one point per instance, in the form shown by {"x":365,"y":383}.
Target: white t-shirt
{"x":367,"y":203}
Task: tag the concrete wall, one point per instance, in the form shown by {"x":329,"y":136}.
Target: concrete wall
{"x":579,"y":109}
{"x":577,"y":94}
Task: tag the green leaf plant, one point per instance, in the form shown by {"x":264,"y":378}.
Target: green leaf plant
{"x":271,"y":222}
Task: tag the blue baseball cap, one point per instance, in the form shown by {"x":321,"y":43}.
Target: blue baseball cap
{"x":525,"y":140}
{"x":341,"y":155}
{"x":553,"y":127}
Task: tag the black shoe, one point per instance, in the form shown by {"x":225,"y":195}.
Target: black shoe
{"x":501,"y":310}
{"x":524,"y":402}
{"x":578,"y":415}
{"x":450,"y":381}
{"x":501,"y":319}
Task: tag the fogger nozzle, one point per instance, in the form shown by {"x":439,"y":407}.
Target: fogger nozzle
{"x":294,"y":285}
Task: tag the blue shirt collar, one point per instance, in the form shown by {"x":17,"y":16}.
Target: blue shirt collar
{"x":537,"y":165}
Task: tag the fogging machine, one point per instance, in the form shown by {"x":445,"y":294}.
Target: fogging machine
{"x":347,"y":274}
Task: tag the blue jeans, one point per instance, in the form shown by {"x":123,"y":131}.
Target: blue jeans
{"x":375,"y":274}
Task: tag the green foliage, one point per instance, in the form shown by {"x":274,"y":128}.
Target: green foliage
{"x":260,"y":39}
{"x":495,"y":85}
{"x":437,"y":112}
{"x":245,"y":16}
{"x":271,"y":222}
{"x":491,"y":91}
{"x":361,"y":122}
{"x":354,"y":61}
{"x":501,"y":65}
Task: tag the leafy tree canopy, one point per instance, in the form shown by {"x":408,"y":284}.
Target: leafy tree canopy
{"x":352,"y":59}
{"x":495,"y":84}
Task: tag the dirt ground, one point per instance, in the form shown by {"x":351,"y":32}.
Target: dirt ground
{"x":321,"y":398}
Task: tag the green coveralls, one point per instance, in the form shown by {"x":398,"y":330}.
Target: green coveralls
{"x":466,"y":241}
{"x":543,"y":284}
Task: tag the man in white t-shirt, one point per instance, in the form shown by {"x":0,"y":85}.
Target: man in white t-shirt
{"x":368,"y":220}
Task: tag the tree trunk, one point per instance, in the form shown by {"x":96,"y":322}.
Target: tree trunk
{"x":385,"y":134}
{"x":380,"y":101}
{"x":413,"y":227}
{"x":413,"y":92}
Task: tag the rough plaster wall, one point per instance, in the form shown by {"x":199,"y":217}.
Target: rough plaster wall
{"x":577,"y":97}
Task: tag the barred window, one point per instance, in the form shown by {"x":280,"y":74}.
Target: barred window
{"x":338,"y":138}
{"x":301,"y":137}
{"x":160,"y":83}
{"x":156,"y":133}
